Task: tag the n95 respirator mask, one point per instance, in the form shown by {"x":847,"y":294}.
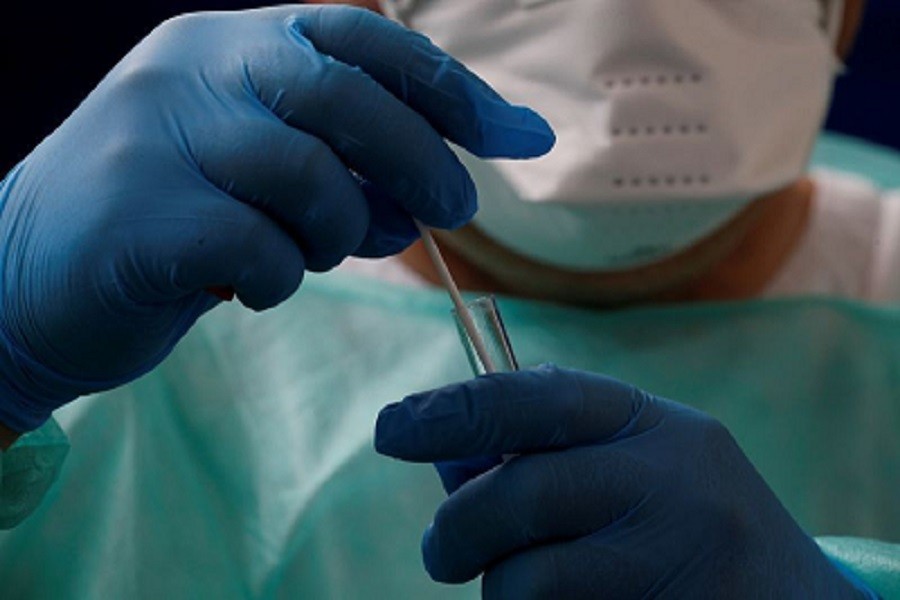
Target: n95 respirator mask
{"x":670,"y":115}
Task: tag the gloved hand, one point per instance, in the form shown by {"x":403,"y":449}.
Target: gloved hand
{"x":228,"y":150}
{"x":615,"y":494}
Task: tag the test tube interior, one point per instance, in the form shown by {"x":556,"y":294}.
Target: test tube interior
{"x":486,"y":316}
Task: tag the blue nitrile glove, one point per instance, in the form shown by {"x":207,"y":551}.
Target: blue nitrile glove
{"x":229,"y":150}
{"x":615,"y":494}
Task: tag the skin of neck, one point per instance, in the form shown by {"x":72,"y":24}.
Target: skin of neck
{"x":735,"y":262}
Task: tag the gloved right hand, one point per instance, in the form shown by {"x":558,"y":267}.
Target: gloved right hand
{"x":614,"y":493}
{"x":232,"y":150}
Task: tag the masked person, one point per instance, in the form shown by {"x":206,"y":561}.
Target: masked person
{"x":684,"y":133}
{"x":615,"y":491}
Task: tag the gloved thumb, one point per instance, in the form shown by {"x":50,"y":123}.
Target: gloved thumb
{"x":547,"y":408}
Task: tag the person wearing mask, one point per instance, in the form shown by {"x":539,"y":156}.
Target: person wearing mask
{"x":679,"y":176}
{"x":614,"y":491}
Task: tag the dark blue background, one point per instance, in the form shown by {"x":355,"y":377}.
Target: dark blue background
{"x":53,"y":53}
{"x":867,"y":100}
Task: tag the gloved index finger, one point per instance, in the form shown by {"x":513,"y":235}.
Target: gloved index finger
{"x":513,"y":413}
{"x":458,"y":104}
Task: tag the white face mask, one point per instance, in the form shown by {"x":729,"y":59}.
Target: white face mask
{"x":670,"y":115}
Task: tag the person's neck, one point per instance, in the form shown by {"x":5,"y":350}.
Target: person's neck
{"x":759,"y":256}
{"x":737,"y":262}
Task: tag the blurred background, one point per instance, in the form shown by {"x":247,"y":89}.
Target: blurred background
{"x":53,"y":54}
{"x":867,"y":101}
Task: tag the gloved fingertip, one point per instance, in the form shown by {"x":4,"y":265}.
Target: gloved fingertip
{"x":383,"y":247}
{"x":427,"y":546}
{"x":431,"y":557}
{"x":381,"y":243}
{"x":532,"y":137}
{"x":453,"y":207}
{"x":537,"y":123}
{"x":324,"y":264}
{"x":442,"y":563}
{"x":515,"y":132}
{"x":388,"y":439}
{"x":416,"y":429}
{"x":468,"y":204}
{"x":259,"y":300}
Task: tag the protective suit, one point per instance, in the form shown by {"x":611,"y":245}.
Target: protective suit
{"x":243,"y":465}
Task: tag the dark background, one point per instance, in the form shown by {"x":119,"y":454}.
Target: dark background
{"x":53,"y":54}
{"x":867,"y":101}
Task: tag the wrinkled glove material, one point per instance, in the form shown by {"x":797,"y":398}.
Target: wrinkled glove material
{"x":230,"y":151}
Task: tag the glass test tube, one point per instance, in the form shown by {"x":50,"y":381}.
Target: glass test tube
{"x":489,"y":324}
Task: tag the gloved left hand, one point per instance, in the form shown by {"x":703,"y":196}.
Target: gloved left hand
{"x":615,"y":494}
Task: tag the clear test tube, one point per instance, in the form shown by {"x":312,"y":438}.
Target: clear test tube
{"x":486,"y":316}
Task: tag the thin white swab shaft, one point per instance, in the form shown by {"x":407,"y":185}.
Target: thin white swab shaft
{"x":461,"y":309}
